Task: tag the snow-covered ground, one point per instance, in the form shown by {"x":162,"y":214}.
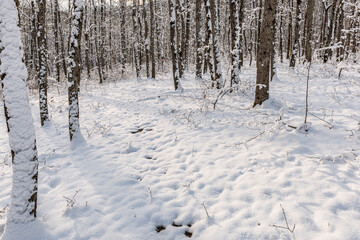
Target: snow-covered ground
{"x":153,"y":158}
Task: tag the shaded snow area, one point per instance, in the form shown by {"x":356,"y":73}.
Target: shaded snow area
{"x":159,"y":164}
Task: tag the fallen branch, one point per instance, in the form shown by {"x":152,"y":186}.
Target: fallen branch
{"x":330,"y":125}
{"x":287,"y":224}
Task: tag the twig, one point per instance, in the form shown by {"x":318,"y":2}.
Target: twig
{"x":221,"y":94}
{"x":203,"y":204}
{"x":287,"y":224}
{"x":307,"y":93}
{"x":150,"y":193}
{"x":330,"y":125}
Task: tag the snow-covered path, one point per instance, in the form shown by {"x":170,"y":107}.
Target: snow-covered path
{"x":152,"y":157}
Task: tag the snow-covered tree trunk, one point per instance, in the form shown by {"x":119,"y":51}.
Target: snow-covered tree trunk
{"x":173,"y":45}
{"x":147,"y":42}
{"x":234,"y":31}
{"x":267,"y":35}
{"x":209,"y":60}
{"x":198,"y":40}
{"x":216,"y":42}
{"x":75,"y":69}
{"x":42,"y":69}
{"x":20,"y":124}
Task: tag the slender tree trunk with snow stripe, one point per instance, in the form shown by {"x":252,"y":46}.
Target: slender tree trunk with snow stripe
{"x":199,"y":56}
{"x":20,"y":124}
{"x":42,"y":69}
{"x":75,"y":69}
{"x":173,"y":45}
{"x":214,"y":11}
{"x":234,"y":31}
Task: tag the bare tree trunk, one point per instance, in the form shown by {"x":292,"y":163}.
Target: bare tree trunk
{"x":122,"y":36}
{"x":56,"y":40}
{"x":329,"y":37}
{"x":152,"y":40}
{"x":62,"y":44}
{"x":308,"y":29}
{"x":180,"y":32}
{"x":267,"y":35}
{"x":289,"y":33}
{"x":296,"y":45}
{"x":34,"y":45}
{"x":42,"y":70}
{"x":86,"y":42}
{"x":102,"y":39}
{"x":136,"y":44}
{"x":339,"y":38}
{"x":281,"y":31}
{"x":98,"y":51}
{"x":198,"y":39}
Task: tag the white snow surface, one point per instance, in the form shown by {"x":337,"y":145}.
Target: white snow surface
{"x":153,"y":157}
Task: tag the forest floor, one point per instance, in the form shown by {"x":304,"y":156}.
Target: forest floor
{"x":159,"y":164}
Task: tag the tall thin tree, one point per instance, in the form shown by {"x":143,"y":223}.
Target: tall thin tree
{"x":21,"y":131}
{"x":267,"y":34}
{"x":75,"y":69}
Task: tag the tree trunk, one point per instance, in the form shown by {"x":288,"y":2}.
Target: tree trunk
{"x":308,"y":29}
{"x":56,"y":40}
{"x":173,"y":45}
{"x":198,"y":39}
{"x":296,"y":46}
{"x":42,"y":70}
{"x":122,"y":36}
{"x":234,"y":34}
{"x":267,"y":34}
{"x":215,"y":43}
{"x":330,"y":35}
{"x":136,"y":44}
{"x":147,"y":43}
{"x":25,"y":159}
{"x":75,"y":69}
{"x":152,"y":40}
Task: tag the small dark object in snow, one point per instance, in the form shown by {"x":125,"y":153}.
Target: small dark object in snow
{"x":189,"y":225}
{"x":159,"y":228}
{"x":176,"y":225}
{"x":188,"y":234}
{"x":137,"y":131}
